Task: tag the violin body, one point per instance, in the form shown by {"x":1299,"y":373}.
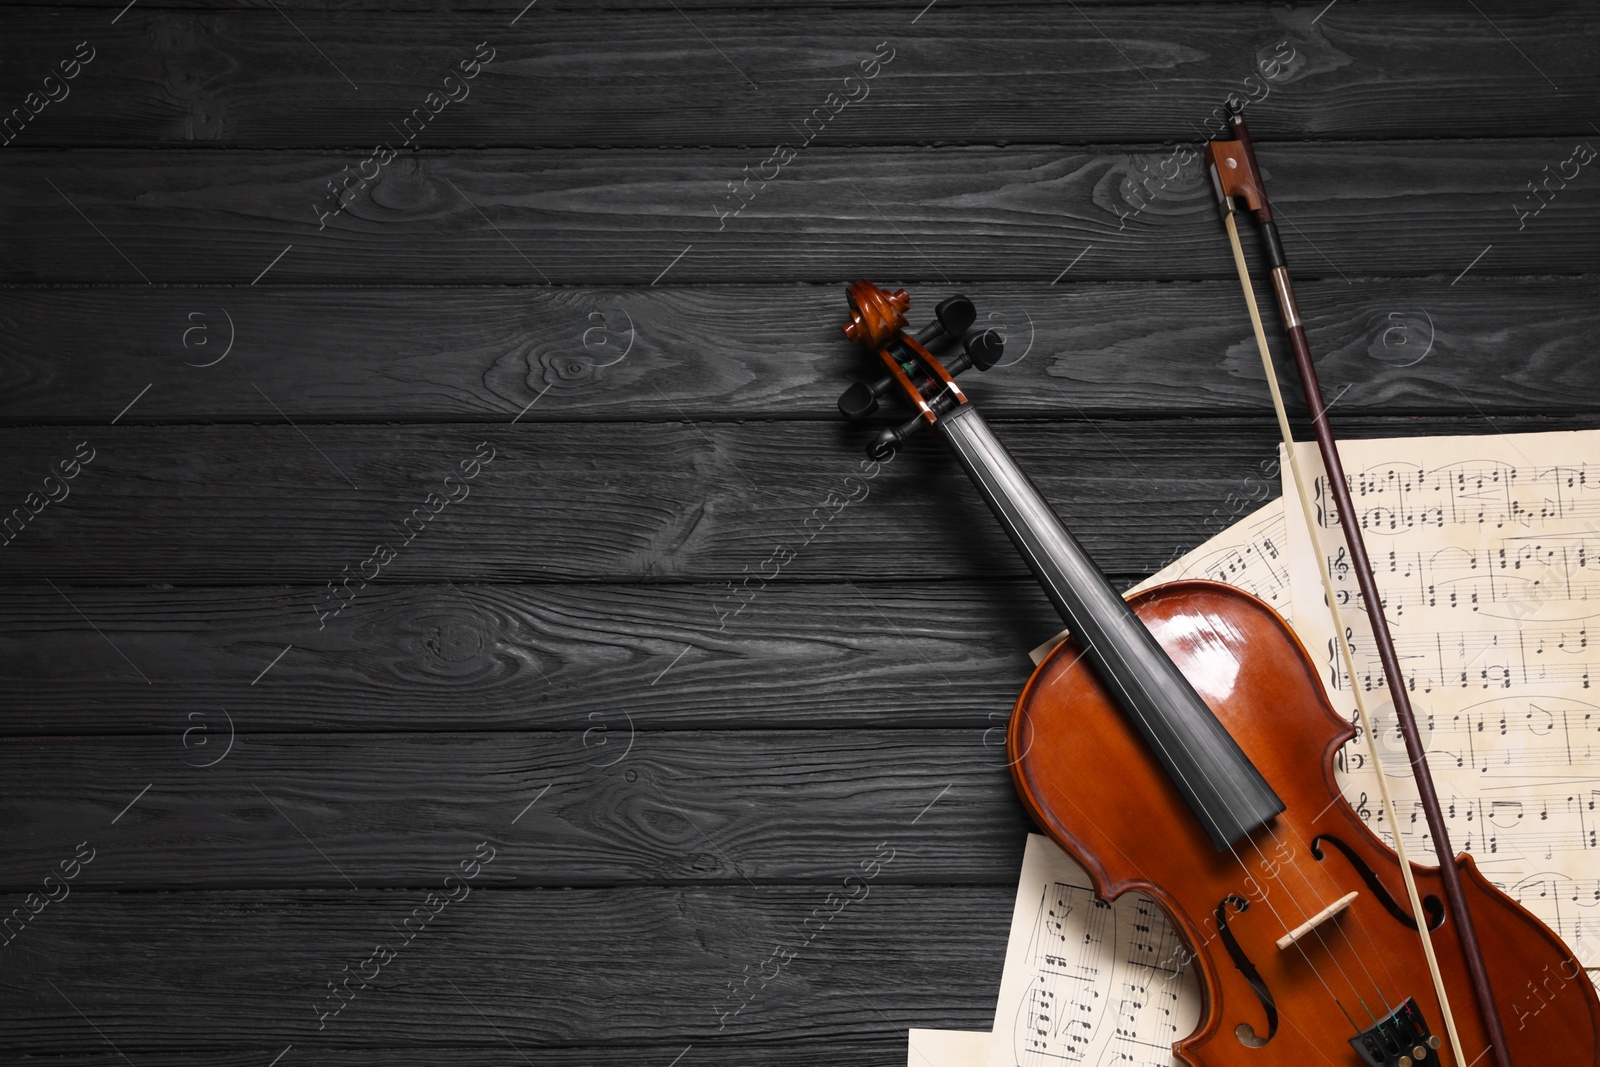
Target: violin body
{"x":1091,"y":782}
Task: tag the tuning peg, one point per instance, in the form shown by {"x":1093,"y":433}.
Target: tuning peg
{"x":886,"y":443}
{"x":861,"y":400}
{"x":952,"y":318}
{"x":984,"y":349}
{"x":981,"y":350}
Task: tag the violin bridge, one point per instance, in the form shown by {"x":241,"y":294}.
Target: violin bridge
{"x":1317,"y":920}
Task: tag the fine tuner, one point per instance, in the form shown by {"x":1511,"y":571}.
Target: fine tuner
{"x":878,"y":319}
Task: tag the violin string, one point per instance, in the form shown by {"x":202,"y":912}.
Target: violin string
{"x":1080,"y":653}
{"x":1357,"y":953}
{"x":1394,"y":983}
{"x":1361,"y":958}
{"x":1344,"y":934}
{"x":1302,"y":490}
{"x":1418,"y":914}
{"x":1286,"y":1017}
{"x":1294,"y":467}
{"x":1266,"y":897}
{"x":961,"y":447}
{"x":1240,"y":861}
{"x":1268,"y":865}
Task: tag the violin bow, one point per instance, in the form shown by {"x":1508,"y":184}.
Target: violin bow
{"x":1236,"y":177}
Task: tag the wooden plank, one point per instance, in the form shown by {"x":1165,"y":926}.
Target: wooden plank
{"x":613,"y":501}
{"x":632,"y":216}
{"x":563,"y":967}
{"x":588,"y":808}
{"x":356,"y":355}
{"x":888,"y":1050}
{"x":630,"y":76}
{"x":499,"y":7}
{"x":516,"y":657}
{"x":610,"y":501}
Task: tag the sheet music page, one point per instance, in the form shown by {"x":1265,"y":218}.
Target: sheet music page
{"x":1085,"y":982}
{"x":1250,"y":555}
{"x":1486,"y":552}
{"x":947,"y":1048}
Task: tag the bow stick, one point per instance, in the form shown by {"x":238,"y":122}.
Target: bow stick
{"x":1235,"y":176}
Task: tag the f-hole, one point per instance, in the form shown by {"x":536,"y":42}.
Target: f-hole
{"x":1244,"y":1031}
{"x":1430,"y":903}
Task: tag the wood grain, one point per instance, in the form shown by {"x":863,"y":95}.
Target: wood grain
{"x":516,"y":657}
{"x":719,"y":806}
{"x":1502,"y":346}
{"x":573,"y":598}
{"x":615,"y":501}
{"x":559,"y":967}
{"x":631,"y":75}
{"x":887,"y":1048}
{"x":635,"y":216}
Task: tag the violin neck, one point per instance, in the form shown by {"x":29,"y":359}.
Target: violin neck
{"x":1224,"y":790}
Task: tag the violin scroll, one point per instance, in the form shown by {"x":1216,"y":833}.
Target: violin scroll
{"x":875,"y":316}
{"x":878,"y":318}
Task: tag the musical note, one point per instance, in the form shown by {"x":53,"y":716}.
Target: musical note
{"x":1487,"y":560}
{"x":1086,"y":982}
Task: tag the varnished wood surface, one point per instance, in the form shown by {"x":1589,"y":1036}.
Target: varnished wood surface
{"x":481,"y":687}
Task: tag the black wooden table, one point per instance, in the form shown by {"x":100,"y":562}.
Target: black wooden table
{"x":427,"y":630}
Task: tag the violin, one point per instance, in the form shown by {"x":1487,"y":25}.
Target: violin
{"x":1179,"y":743}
